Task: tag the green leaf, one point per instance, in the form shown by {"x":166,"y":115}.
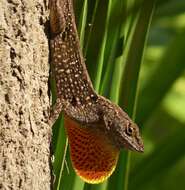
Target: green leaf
{"x":95,"y":39}
{"x":170,"y":8}
{"x":59,"y":138}
{"x":91,"y":25}
{"x":170,"y":68}
{"x":165,"y":155}
{"x":82,"y":23}
{"x":102,"y":49}
{"x":114,"y":48}
{"x":129,"y":84}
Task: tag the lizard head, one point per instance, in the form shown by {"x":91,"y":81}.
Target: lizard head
{"x":123,"y":132}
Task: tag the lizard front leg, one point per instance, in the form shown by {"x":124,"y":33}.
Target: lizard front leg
{"x":83,"y":114}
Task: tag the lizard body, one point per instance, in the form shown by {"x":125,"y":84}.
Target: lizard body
{"x":91,"y":121}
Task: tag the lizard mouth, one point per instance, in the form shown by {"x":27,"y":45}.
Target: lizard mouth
{"x":128,"y":143}
{"x":138,"y":147}
{"x":93,"y":157}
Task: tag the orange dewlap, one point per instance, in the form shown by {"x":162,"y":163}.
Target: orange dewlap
{"x":93,"y":156}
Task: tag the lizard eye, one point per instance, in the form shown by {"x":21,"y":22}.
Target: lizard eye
{"x":129,"y":130}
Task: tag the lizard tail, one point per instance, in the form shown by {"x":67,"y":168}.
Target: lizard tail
{"x":93,"y":156}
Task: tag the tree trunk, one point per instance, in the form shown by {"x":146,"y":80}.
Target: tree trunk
{"x":24,"y":101}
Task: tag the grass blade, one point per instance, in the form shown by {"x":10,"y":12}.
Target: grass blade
{"x":62,"y":164}
{"x":82,"y":23}
{"x":129,"y":84}
{"x":114,"y":47}
{"x":102,"y":49}
{"x":134,"y":57}
{"x":90,"y":29}
{"x":61,"y":144}
{"x":165,"y":155}
{"x":160,"y":80}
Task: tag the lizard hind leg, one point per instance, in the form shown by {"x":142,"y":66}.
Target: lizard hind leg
{"x":93,"y":157}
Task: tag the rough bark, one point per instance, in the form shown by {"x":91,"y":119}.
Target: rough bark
{"x":24,"y":69}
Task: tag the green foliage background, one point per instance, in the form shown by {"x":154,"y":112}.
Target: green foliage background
{"x":135,"y":55}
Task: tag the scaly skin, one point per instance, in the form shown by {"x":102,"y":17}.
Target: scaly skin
{"x":93,"y":155}
{"x":97,"y":129}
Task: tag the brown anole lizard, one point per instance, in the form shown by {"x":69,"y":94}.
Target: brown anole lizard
{"x":97,"y":128}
